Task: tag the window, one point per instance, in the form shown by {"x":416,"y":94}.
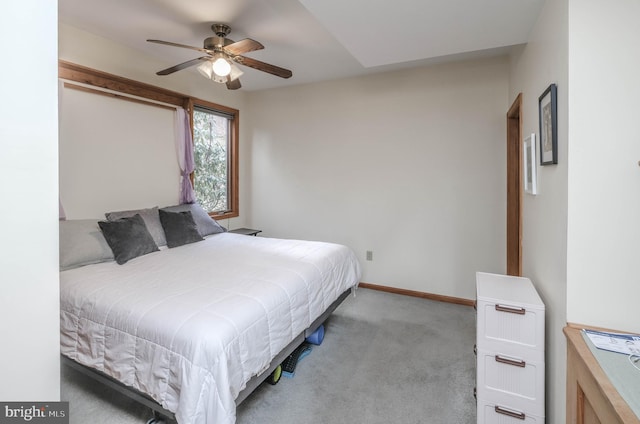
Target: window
{"x":215,"y":141}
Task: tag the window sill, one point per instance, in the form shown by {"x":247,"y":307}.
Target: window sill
{"x":225,"y":215}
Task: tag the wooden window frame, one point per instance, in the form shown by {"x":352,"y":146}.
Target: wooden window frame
{"x":233,"y":190}
{"x":81,"y":74}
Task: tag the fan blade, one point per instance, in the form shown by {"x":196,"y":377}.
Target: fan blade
{"x":264,"y":67}
{"x":182,"y":65}
{"x":234,"y":85}
{"x":243,"y":46}
{"x":169,"y":43}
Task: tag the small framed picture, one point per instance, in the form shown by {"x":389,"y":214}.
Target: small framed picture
{"x":529,"y":160}
{"x":548,"y":118}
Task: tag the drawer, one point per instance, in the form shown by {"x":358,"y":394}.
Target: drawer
{"x":511,"y":380}
{"x":492,"y":413}
{"x":510,"y":328}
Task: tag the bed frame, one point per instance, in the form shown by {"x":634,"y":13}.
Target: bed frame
{"x":162,"y":414}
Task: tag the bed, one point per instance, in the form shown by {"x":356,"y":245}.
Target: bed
{"x":196,"y":326}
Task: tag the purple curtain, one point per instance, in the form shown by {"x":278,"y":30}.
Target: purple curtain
{"x":184,"y":148}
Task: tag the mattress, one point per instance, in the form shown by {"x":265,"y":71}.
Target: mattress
{"x":190,"y":326}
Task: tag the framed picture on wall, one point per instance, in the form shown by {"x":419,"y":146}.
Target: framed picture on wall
{"x":529,"y":160}
{"x":548,"y":118}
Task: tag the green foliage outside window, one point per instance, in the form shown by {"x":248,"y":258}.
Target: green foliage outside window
{"x":211,"y":146}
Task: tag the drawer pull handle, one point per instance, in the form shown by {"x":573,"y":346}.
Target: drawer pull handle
{"x":509,"y":413}
{"x":510,"y":309}
{"x":508,"y":361}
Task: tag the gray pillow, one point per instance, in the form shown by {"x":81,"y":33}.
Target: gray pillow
{"x":151,"y":220}
{"x":82,"y":243}
{"x":128,"y":238}
{"x":206,"y":225}
{"x":179,"y":228}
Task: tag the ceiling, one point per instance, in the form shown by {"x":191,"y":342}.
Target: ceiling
{"x":318,"y":40}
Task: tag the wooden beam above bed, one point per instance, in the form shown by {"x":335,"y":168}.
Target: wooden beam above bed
{"x":116,"y":96}
{"x":82,"y":74}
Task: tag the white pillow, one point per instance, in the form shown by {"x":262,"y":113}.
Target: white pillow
{"x":82,"y":243}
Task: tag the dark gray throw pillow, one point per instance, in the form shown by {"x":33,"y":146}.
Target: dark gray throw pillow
{"x":206,"y":224}
{"x":150,"y":218}
{"x":128,"y":238}
{"x":179,"y":228}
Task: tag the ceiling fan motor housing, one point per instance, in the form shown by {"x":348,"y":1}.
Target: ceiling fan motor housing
{"x":214,"y":43}
{"x":217,"y":42}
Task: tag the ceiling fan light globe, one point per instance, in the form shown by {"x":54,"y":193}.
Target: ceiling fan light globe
{"x":206,"y":69}
{"x":221,"y":67}
{"x":235,"y":72}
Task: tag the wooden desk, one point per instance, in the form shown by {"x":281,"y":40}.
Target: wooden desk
{"x":591,"y":397}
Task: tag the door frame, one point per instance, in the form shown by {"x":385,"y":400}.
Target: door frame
{"x":514,"y":188}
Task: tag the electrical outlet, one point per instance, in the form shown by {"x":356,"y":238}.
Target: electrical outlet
{"x":369,"y":255}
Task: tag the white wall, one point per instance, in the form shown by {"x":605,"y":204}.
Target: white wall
{"x":580,"y":241}
{"x":410,"y":165}
{"x":29,"y":312}
{"x":604,"y":178}
{"x":544,"y":237}
{"x":118,"y":153}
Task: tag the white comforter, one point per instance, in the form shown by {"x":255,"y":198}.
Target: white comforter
{"x":191,"y":325}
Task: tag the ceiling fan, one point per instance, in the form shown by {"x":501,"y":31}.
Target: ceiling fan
{"x":223,"y":53}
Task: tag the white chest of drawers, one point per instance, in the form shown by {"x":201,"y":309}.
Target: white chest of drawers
{"x":510,"y":381}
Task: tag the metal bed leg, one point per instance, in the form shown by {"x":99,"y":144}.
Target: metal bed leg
{"x":158,"y":418}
